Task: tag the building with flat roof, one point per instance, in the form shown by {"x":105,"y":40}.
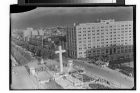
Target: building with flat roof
{"x":85,"y":37}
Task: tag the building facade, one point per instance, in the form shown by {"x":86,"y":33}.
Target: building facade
{"x":85,"y":37}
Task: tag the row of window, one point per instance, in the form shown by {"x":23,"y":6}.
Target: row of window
{"x":105,"y":38}
{"x":105,"y":26}
{"x":102,"y":44}
{"x":127,"y":29}
{"x":102,"y":33}
{"x":108,"y":51}
{"x":107,"y":43}
{"x":115,"y":34}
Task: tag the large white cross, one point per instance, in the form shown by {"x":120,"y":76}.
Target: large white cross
{"x":60,"y":51}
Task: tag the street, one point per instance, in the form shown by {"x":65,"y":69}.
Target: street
{"x":108,"y":74}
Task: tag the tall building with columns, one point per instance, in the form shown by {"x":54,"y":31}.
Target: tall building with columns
{"x":84,"y":37}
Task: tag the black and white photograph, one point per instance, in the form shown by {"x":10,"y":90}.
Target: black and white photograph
{"x":77,"y":48}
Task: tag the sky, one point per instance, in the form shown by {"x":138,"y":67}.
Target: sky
{"x":62,"y":16}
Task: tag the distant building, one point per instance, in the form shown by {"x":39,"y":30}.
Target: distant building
{"x":83,"y":38}
{"x":31,"y":33}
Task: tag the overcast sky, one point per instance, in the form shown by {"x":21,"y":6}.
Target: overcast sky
{"x":52,"y":16}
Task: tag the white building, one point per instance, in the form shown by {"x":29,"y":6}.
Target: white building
{"x":30,"y":32}
{"x":85,"y":36}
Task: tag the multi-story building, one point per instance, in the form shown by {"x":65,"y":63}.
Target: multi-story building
{"x":85,"y":37}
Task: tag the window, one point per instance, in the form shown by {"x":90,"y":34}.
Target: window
{"x":79,"y":31}
{"x":89,"y":37}
{"x":97,"y":39}
{"x":84,"y":31}
{"x":80,"y":41}
{"x":130,"y":50}
{"x":89,"y":47}
{"x":80,"y":48}
{"x":114,"y":29}
{"x":84,"y":45}
{"x":89,"y":41}
{"x":97,"y":30}
{"x":89,"y":51}
{"x":114,"y":50}
{"x":118,"y":51}
{"x":97,"y":33}
{"x":84,"y":34}
{"x":126,"y":25}
{"x":98,"y":51}
{"x":122,"y":28}
{"x":102,"y":27}
{"x":122,"y":40}
{"x":122,"y":50}
{"x":106,"y":50}
{"x":80,"y":52}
